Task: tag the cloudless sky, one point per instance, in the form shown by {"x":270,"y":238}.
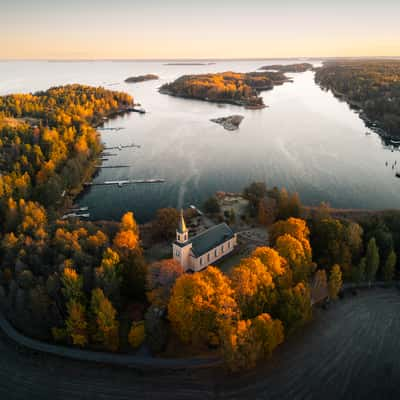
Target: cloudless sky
{"x":74,"y":29}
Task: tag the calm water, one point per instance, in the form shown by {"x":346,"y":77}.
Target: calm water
{"x":306,"y":140}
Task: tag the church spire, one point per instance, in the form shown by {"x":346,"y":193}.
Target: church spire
{"x":182,"y":233}
{"x":182,"y":224}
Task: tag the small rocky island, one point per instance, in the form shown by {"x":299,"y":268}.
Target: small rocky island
{"x":141,"y":78}
{"x":301,"y":67}
{"x":226,"y":87}
{"x":230,"y":123}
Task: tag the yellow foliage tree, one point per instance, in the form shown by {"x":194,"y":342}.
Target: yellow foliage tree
{"x":136,"y":334}
{"x":294,"y":227}
{"x":72,"y":284}
{"x":127,"y":239}
{"x":253,"y":287}
{"x":76,"y":324}
{"x":105,"y":324}
{"x":248,"y":341}
{"x":199,"y":304}
{"x":271,"y":259}
{"x":298,"y":255}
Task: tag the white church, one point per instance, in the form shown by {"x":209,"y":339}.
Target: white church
{"x":198,"y":252}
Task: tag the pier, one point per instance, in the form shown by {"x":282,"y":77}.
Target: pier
{"x":113,"y":166}
{"x":120,"y":183}
{"x":120,"y":147}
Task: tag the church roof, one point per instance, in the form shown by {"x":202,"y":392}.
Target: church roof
{"x":182,"y":224}
{"x":211,"y":238}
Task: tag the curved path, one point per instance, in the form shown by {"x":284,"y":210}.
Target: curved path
{"x":350,"y":351}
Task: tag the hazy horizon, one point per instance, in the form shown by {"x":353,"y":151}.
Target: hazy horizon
{"x":99,"y":30}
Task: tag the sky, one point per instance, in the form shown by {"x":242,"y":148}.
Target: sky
{"x":168,"y":29}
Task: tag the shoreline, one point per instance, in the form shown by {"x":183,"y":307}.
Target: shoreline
{"x":376,"y":126}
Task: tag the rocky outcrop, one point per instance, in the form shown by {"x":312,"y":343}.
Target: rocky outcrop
{"x":230,"y":123}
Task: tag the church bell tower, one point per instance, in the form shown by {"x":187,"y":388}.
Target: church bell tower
{"x":181,"y":248}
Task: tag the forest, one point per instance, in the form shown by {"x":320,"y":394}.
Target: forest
{"x":371,"y":85}
{"x":87,"y":284}
{"x":225,"y":87}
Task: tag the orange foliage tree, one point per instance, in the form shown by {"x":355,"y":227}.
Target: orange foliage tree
{"x":248,"y":341}
{"x":199,"y":304}
{"x":253,"y":287}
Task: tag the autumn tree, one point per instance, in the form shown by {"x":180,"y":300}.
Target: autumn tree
{"x":253,"y":287}
{"x":294,"y":227}
{"x":294,"y":307}
{"x":108,"y":275}
{"x":358,"y":271}
{"x":127,"y":238}
{"x":136,"y":334}
{"x":211,"y":205}
{"x":76,"y":325}
{"x":262,"y":213}
{"x":269,"y":332}
{"x":165,"y":223}
{"x":354,"y":239}
{"x":104,"y":324}
{"x":255,"y":192}
{"x":238,"y":347}
{"x":72,"y":285}
{"x":199,"y":304}
{"x":272,"y":261}
{"x":297,"y":254}
{"x":335,"y":282}
{"x":160,"y":279}
{"x":388,"y":271}
{"x":133,"y":267}
{"x":157,"y":329}
{"x":372,"y":260}
{"x":247,"y":341}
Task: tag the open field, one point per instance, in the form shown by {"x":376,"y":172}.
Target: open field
{"x":350,"y":351}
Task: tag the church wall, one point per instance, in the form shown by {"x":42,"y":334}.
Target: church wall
{"x":214,"y":255}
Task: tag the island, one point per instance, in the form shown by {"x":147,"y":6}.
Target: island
{"x":230,"y":123}
{"x":141,"y":78}
{"x":370,"y":86}
{"x":226,"y":87}
{"x":301,"y":67}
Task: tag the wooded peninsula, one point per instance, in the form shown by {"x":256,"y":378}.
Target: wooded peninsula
{"x":373,"y":86}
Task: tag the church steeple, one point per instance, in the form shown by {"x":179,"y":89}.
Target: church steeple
{"x":182,"y":233}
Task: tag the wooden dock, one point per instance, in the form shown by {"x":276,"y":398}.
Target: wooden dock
{"x":125,"y":146}
{"x":120,"y":183}
{"x":114,"y":166}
